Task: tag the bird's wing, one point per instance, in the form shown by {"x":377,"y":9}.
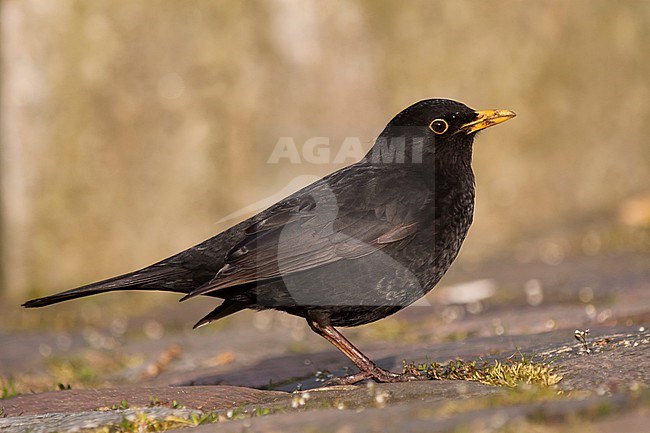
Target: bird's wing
{"x":339,"y":218}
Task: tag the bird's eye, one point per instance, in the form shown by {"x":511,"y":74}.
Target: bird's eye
{"x":439,"y":126}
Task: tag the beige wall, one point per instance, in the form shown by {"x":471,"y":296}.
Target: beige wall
{"x":130,"y":128}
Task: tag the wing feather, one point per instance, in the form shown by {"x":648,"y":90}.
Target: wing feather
{"x":319,"y":227}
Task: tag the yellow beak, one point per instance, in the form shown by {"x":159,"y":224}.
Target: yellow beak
{"x":485,"y":119}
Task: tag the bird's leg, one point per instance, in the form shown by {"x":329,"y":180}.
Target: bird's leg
{"x":369,"y":370}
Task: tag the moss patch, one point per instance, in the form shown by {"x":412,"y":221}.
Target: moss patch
{"x":7,"y":388}
{"x":141,"y":422}
{"x":509,"y":373}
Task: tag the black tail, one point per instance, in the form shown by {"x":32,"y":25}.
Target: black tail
{"x":163,"y":278}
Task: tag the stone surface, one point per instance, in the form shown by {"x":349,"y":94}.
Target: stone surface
{"x":251,"y":364}
{"x":196,"y":397}
{"x":419,"y":416}
{"x":89,"y":421}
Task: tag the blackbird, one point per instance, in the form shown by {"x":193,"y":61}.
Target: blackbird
{"x":351,"y":248}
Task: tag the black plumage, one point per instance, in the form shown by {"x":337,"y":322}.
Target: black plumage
{"x":354,"y":247}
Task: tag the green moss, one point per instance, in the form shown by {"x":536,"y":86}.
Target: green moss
{"x":7,"y":388}
{"x":141,"y":422}
{"x":508,"y":373}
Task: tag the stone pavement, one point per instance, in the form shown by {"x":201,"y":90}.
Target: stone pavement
{"x":265,"y":371}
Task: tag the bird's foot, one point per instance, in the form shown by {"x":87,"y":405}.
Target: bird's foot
{"x":377,"y":374}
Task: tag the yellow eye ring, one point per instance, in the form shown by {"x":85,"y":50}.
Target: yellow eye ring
{"x":439,"y":126}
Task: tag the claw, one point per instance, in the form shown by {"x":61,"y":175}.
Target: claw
{"x":377,"y":374}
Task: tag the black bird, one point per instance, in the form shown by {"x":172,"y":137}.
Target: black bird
{"x":354,"y":247}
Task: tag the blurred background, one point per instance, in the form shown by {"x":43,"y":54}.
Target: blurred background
{"x":132,"y":130}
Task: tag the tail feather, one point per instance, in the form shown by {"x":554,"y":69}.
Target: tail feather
{"x":225,"y":309}
{"x":151,"y":278}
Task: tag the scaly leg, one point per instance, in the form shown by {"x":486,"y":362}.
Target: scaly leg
{"x":369,"y":370}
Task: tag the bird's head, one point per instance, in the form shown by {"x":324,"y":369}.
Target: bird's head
{"x":433,"y":128}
